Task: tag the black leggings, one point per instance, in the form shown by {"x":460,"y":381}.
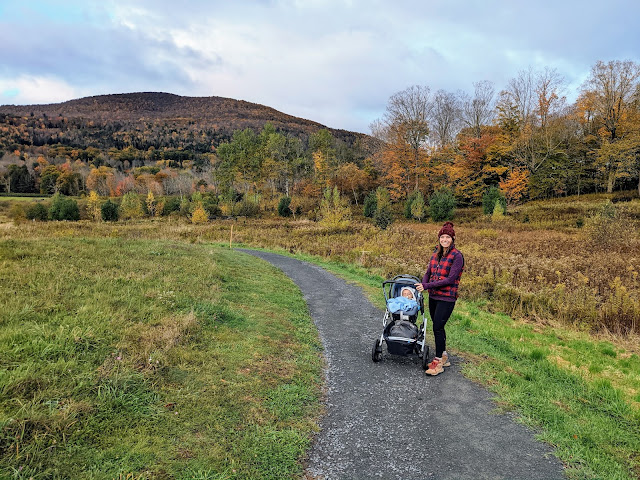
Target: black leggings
{"x":440,"y":312}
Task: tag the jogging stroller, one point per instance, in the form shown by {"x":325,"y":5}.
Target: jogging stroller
{"x":400,"y":329}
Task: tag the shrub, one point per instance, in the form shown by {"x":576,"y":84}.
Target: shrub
{"x":17,"y":213}
{"x":442,"y":204}
{"x":284,"y":209}
{"x":171,"y":204}
{"x":417,"y":208}
{"x":37,"y":211}
{"x":498,"y":212}
{"x":383,"y":217}
{"x":130,"y":206}
{"x":93,"y":205}
{"x":490,"y":198}
{"x":199,"y":215}
{"x":63,"y":208}
{"x":110,"y":211}
{"x":210,"y":204}
{"x":604,"y":226}
{"x":151,"y":204}
{"x":246,"y":208}
{"x":407,"y":204}
{"x":370,"y":204}
{"x":334,"y":212}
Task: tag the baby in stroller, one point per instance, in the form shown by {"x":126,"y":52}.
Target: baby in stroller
{"x":402,"y":331}
{"x":404,"y":305}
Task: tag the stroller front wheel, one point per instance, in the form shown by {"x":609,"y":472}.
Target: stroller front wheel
{"x":376,"y":351}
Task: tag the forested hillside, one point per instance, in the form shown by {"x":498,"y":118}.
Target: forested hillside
{"x":526,"y":139}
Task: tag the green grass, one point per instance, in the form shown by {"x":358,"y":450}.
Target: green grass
{"x":580,"y":394}
{"x":152,"y":359}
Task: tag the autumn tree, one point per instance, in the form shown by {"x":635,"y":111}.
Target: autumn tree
{"x":445,"y":118}
{"x":350,"y":178}
{"x":94,"y":206}
{"x":612,"y":87}
{"x":101,"y":180}
{"x":407,"y":116}
{"x":478,"y":111}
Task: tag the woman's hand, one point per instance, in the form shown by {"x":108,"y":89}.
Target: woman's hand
{"x":419,"y":287}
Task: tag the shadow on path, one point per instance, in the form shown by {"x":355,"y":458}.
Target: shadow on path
{"x":389,"y":420}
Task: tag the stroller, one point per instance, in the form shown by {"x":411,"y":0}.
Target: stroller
{"x":400,"y":330}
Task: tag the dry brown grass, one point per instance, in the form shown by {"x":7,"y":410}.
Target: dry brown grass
{"x":524,"y":269}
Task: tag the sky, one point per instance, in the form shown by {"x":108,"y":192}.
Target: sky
{"x":335,"y":62}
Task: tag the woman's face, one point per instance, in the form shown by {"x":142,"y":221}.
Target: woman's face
{"x":445,"y":241}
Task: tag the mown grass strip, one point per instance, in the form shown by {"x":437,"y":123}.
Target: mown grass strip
{"x":152,"y":359}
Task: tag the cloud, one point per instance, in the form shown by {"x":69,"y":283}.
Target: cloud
{"x":333,"y":61}
{"x":28,"y":89}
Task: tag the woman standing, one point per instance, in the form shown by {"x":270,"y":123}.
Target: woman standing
{"x":441,"y":280}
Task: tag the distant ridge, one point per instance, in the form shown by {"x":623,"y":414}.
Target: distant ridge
{"x":225,"y":115}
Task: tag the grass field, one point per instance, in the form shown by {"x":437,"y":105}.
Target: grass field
{"x":152,"y":320}
{"x":152,"y":359}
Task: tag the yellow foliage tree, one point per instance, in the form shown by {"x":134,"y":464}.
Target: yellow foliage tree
{"x":151,"y":203}
{"x":93,"y":206}
{"x":334,"y":213}
{"x":199,"y":214}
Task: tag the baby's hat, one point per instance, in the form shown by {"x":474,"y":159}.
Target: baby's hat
{"x":413,"y":292}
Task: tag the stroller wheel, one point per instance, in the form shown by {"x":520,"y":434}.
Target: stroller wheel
{"x":376,"y":351}
{"x":425,"y":357}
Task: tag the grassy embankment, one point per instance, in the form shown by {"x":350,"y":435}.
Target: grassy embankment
{"x":129,"y":358}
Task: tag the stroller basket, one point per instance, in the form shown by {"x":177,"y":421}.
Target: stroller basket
{"x":401,"y":337}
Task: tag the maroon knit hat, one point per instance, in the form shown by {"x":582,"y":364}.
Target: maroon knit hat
{"x":447,"y":229}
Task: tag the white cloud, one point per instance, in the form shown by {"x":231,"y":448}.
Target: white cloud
{"x":28,"y":89}
{"x":332,"y":61}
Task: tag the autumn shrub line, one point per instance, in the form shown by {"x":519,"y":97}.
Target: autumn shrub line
{"x":538,"y":261}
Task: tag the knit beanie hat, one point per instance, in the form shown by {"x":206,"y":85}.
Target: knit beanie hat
{"x":447,"y":229}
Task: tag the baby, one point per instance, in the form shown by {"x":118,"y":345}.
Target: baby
{"x":405,"y":302}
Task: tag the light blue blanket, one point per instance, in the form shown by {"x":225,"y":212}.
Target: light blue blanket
{"x":402,"y":304}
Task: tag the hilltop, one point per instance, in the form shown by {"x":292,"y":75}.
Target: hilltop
{"x":144,"y":112}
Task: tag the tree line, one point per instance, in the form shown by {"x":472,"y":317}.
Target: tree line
{"x":526,"y":140}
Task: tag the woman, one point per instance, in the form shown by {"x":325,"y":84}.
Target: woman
{"x":441,"y":279}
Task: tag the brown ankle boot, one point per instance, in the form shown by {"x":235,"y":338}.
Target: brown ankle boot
{"x":435,"y":367}
{"x":445,"y":360}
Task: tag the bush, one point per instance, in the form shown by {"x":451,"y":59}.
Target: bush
{"x":407,"y":205}
{"x":417,"y":208}
{"x":383,"y":216}
{"x":442,"y":204}
{"x":199,"y":215}
{"x":370,"y":204}
{"x":604,"y":227}
{"x":131,"y":206}
{"x":210,"y":204}
{"x":37,"y":211}
{"x":490,"y":198}
{"x":334,"y":211}
{"x":171,"y":204}
{"x":246,"y":208}
{"x":110,"y":211}
{"x":63,"y":208}
{"x":284,"y":209}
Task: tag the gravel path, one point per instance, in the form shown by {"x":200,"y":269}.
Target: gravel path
{"x":388,"y":419}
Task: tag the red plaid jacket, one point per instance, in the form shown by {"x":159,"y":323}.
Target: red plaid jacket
{"x":438,"y":273}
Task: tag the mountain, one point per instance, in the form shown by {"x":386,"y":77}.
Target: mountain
{"x":98,"y":121}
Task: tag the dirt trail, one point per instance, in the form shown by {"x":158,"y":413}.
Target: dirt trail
{"x":389,"y":420}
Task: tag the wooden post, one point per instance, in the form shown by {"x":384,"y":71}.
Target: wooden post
{"x":231,"y":236}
